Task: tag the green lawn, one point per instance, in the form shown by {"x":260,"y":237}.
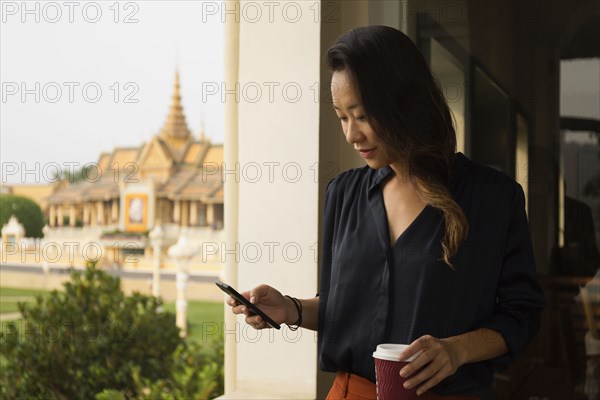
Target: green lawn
{"x":8,"y":291}
{"x":9,"y":306}
{"x":205,"y":319}
{"x":10,"y":297}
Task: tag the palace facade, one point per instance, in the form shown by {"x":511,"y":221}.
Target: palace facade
{"x":172,"y":181}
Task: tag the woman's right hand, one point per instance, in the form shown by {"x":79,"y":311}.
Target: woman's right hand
{"x":280,"y":308}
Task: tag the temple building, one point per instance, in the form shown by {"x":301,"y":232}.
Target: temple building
{"x":173,"y":181}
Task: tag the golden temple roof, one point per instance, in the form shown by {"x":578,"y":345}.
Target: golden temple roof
{"x":173,"y":159}
{"x":106,"y":188}
{"x":214,"y":155}
{"x":193,"y":184}
{"x":123,"y":157}
{"x":175,"y":126}
{"x":103,"y":161}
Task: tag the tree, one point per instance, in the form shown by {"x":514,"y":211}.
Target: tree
{"x":86,"y":172}
{"x":27,"y":212}
{"x":90,"y":337}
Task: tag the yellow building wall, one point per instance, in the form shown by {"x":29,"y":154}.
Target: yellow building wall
{"x":37,"y":193}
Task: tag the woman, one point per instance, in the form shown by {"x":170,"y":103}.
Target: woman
{"x":421,"y":245}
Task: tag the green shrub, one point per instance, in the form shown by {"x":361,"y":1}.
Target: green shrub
{"x":110,"y":394}
{"x":76,"y":343}
{"x":197,"y":374}
{"x":27,"y":212}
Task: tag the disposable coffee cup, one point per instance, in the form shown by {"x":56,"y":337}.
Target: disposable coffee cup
{"x":390,"y":385}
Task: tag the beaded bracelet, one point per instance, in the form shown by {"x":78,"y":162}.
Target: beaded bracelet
{"x":298,"y":304}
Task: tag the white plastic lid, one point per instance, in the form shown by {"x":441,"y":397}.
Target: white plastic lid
{"x":392,"y":351}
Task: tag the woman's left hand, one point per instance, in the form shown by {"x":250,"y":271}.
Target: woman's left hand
{"x":439,"y":359}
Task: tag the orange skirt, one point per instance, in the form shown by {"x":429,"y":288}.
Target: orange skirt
{"x":354,"y":387}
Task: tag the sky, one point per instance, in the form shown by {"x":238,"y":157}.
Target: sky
{"x":81,"y":78}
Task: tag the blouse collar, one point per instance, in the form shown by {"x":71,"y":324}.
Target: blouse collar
{"x":458,"y":162}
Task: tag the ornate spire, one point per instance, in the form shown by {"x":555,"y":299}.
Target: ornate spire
{"x":202,"y":128}
{"x":175,"y":126}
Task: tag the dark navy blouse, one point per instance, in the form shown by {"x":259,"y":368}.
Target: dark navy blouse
{"x":372,"y":292}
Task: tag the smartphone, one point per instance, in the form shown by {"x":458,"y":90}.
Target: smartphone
{"x":241,"y":299}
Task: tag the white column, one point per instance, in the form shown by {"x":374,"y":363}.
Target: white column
{"x":193,"y":213}
{"x":185,"y":215}
{"x":181,"y":252}
{"x":86,"y":214}
{"x":93,"y":214}
{"x":114,"y":211}
{"x":158,"y":216}
{"x":176,"y":211}
{"x":166,"y":209}
{"x":52,"y":217}
{"x":273,"y":376}
{"x":100,"y":213}
{"x":232,"y":60}
{"x":60,"y":215}
{"x":181,"y":280}
{"x":210,"y":214}
{"x":156,"y":236}
{"x":72,"y":215}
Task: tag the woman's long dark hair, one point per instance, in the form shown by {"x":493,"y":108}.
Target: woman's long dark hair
{"x":406,"y":108}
